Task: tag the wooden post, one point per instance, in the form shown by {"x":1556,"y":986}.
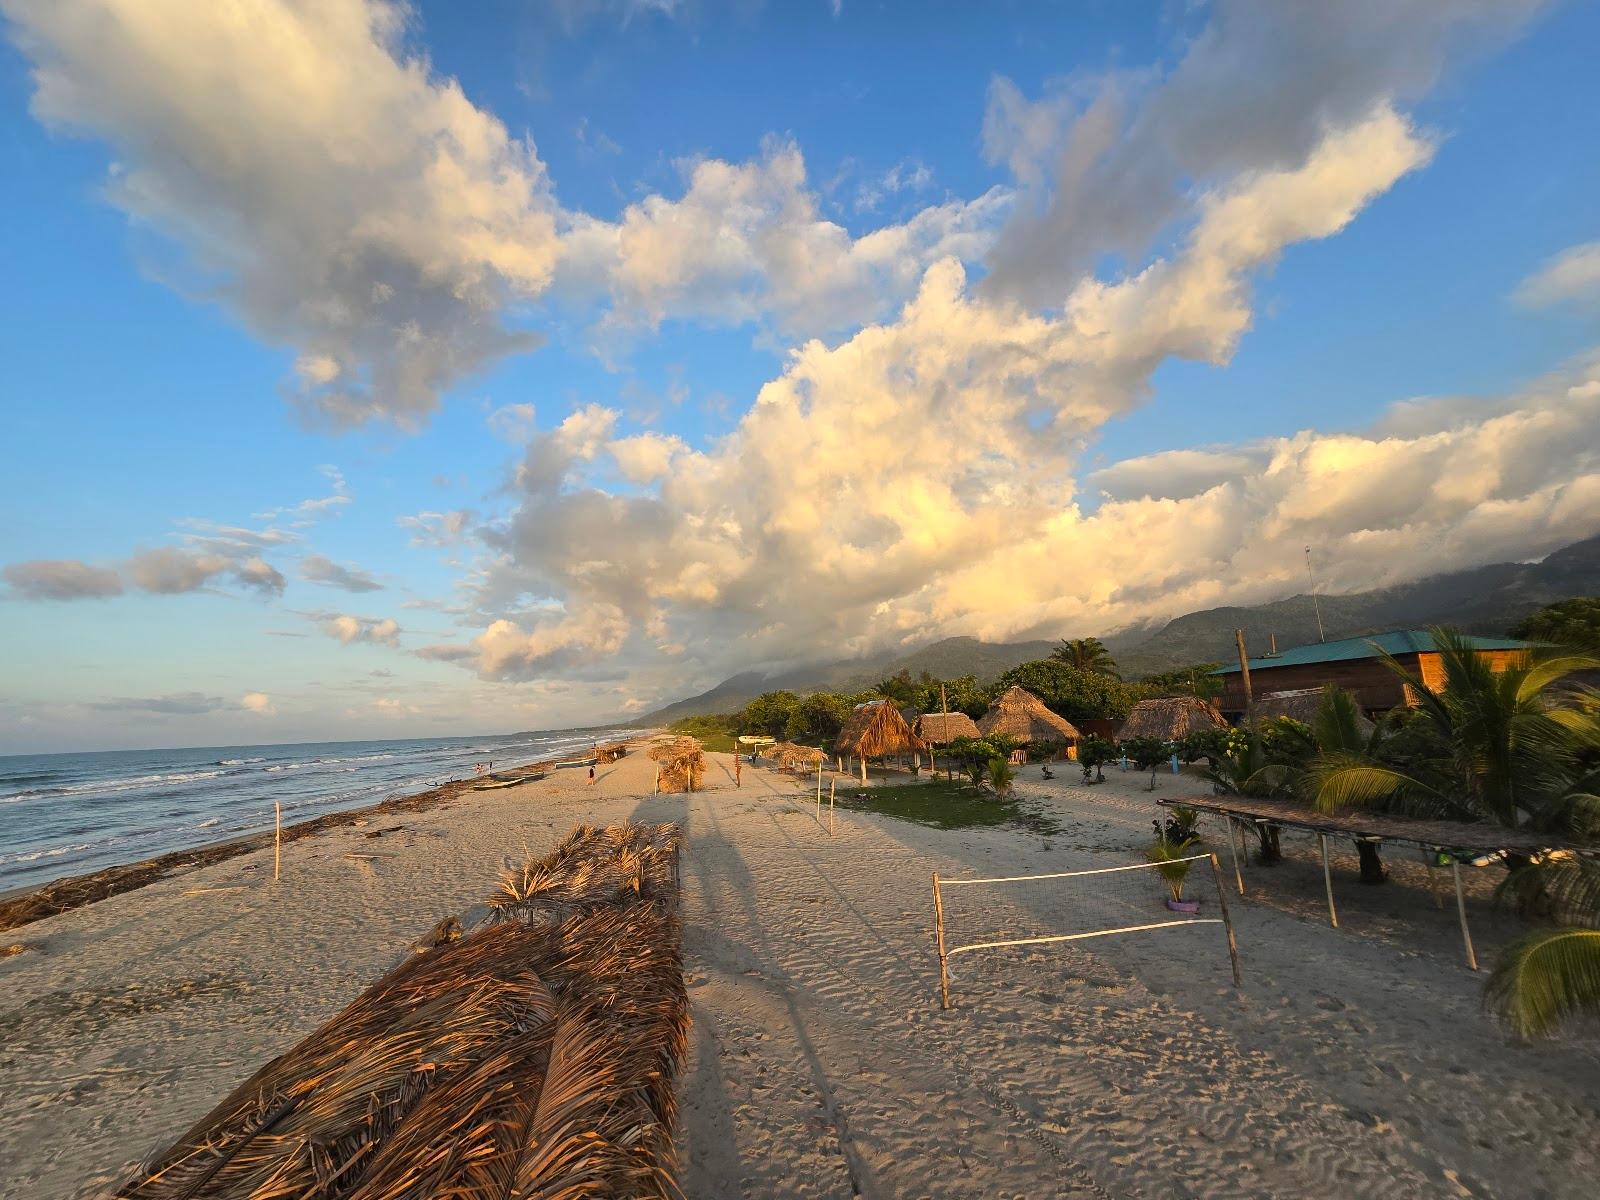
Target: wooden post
{"x":1244,"y":673}
{"x":938,"y":924}
{"x":1227,"y":919}
{"x":1433,"y":876}
{"x":831,"y":782}
{"x":819,"y":791}
{"x":1233,"y":849}
{"x":944,"y":707}
{"x":277,"y":840}
{"x":863,"y":770}
{"x":1461,"y":910}
{"x":658,"y":779}
{"x":1327,"y":881}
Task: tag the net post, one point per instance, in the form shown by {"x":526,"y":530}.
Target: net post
{"x":831,"y":782}
{"x":1227,"y":919}
{"x":1233,"y":850}
{"x":1461,"y":910}
{"x":938,"y":923}
{"x":1327,"y":880}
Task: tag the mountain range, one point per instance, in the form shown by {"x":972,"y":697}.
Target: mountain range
{"x":1484,"y":600}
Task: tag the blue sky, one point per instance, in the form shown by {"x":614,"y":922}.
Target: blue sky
{"x":1170,"y":269}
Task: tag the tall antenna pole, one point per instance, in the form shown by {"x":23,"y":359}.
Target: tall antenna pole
{"x":1315,"y":602}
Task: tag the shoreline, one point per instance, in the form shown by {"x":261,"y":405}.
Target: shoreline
{"x":23,"y":906}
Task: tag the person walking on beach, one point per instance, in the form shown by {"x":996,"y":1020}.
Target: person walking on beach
{"x":591,"y":772}
{"x":737,"y":769}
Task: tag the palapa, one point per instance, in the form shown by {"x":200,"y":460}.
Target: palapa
{"x":876,"y":728}
{"x":791,"y":756}
{"x":940,"y":729}
{"x":1021,"y":716}
{"x":534,"y":1055}
{"x":1169,"y":718}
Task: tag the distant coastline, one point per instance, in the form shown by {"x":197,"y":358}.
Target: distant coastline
{"x":23,"y":905}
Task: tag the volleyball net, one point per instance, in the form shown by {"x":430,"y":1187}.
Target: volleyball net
{"x":1070,"y":906}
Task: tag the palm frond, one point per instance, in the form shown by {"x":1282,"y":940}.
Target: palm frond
{"x":1545,"y":979}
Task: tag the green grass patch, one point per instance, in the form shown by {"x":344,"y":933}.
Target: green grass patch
{"x":722,"y":743}
{"x":944,"y":805}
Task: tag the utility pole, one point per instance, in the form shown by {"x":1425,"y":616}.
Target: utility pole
{"x":1315,"y":602}
{"x":1244,"y":672}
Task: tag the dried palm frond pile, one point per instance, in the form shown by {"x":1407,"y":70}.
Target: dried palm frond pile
{"x":532,"y":1057}
{"x":683,"y":764}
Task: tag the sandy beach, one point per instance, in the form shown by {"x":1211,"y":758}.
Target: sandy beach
{"x":1356,"y":1061}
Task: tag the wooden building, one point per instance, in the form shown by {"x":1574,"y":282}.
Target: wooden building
{"x":1357,"y":666}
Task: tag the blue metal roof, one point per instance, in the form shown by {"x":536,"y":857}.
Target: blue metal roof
{"x":1397,"y":642}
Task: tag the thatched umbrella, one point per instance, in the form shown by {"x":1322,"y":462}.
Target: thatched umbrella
{"x":1170,"y":718}
{"x":533,"y":1056}
{"x":874,"y":729}
{"x":1021,"y":716}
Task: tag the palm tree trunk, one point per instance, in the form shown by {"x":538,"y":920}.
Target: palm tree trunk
{"x":1371,"y":864}
{"x":1271,"y":852}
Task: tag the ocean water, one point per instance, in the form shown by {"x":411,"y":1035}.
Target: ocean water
{"x":67,"y":814}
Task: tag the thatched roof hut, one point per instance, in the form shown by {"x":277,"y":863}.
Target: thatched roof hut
{"x":940,"y":729}
{"x":1021,"y":716}
{"x":1303,"y":706}
{"x":875,"y":729}
{"x":540,"y":1047}
{"x":1170,"y":718}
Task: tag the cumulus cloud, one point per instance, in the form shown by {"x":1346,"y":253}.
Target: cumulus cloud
{"x":351,"y":629}
{"x":746,"y":242}
{"x":318,"y":568}
{"x":62,"y":579}
{"x":325,"y":186}
{"x":1571,"y":277}
{"x":1105,"y":165}
{"x":916,"y":480}
{"x":259,"y":703}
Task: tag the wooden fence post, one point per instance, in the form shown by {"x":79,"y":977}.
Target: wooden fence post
{"x":938,"y":921}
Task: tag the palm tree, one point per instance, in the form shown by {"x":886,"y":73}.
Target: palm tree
{"x":1516,"y":747}
{"x":1554,"y":973}
{"x":1086,"y":654}
{"x":1521,"y":748}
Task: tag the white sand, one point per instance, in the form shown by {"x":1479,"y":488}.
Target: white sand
{"x":1356,"y":1063}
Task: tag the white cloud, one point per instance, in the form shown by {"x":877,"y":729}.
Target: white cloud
{"x":746,"y":242}
{"x":168,"y":571}
{"x":916,"y":480}
{"x":351,"y":629}
{"x":325,"y":186}
{"x":259,"y":703}
{"x":62,"y":579}
{"x":646,"y":457}
{"x":1571,"y":277}
{"x":320,"y":569}
{"x":1105,"y":165}
{"x":435,"y":528}
{"x":514,"y":423}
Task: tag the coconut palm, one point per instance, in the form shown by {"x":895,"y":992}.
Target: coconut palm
{"x":1518,"y":747}
{"x":1086,"y":654}
{"x":1552,"y":974}
{"x":1001,"y":777}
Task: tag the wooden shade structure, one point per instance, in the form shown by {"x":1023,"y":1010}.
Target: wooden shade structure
{"x":1170,"y":718}
{"x":940,"y":729}
{"x":1021,"y":716}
